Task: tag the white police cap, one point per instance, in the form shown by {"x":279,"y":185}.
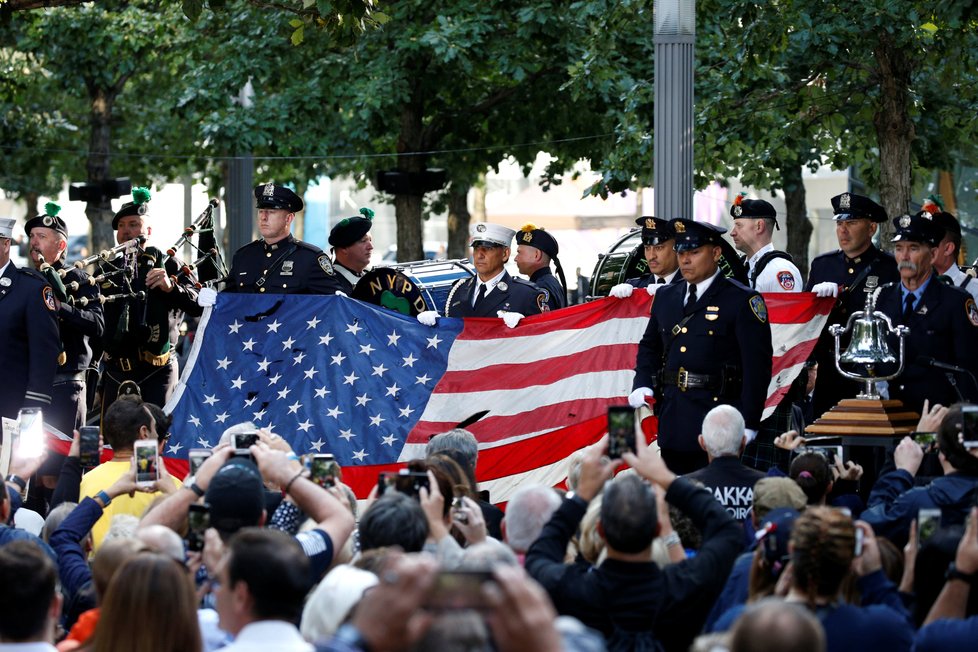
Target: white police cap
{"x":495,"y":234}
{"x":6,"y":227}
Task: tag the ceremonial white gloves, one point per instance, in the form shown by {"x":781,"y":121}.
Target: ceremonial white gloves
{"x":206,"y":297}
{"x":622,"y":290}
{"x":511,"y":318}
{"x":637,"y":398}
{"x":751,"y":434}
{"x":341,"y":293}
{"x":651,"y":289}
{"x":428,"y":317}
{"x":826,"y":289}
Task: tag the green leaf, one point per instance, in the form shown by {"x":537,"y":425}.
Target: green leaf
{"x":298,"y":35}
{"x":380,"y":17}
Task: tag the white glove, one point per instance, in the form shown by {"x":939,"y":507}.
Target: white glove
{"x":511,"y":318}
{"x":651,"y":289}
{"x":428,"y":317}
{"x":751,"y":434}
{"x":826,"y":289}
{"x":637,"y":398}
{"x":622,"y":290}
{"x":206,"y":297}
{"x":341,"y":293}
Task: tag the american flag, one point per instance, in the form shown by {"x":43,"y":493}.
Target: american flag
{"x":370,"y":386}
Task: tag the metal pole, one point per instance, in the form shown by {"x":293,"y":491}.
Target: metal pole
{"x":240,"y":201}
{"x":675,"y":34}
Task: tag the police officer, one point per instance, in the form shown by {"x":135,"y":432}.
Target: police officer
{"x":79,"y":317}
{"x":946,"y":254}
{"x":143,"y":313}
{"x":535,"y":248}
{"x":492,"y":292}
{"x":352,"y":245}
{"x":943,"y":321}
{"x":843,"y":274}
{"x":28,"y":332}
{"x":708,"y":342}
{"x":658,"y":243}
{"x":768,"y":270}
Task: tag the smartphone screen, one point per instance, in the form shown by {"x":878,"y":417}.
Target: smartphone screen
{"x":405,"y":482}
{"x":196,"y":456}
{"x":198,"y":520}
{"x":31,"y":438}
{"x":928,"y":522}
{"x":832,"y":453}
{"x":242,"y":441}
{"x":969,"y":429}
{"x":621,"y":431}
{"x":88,"y":448}
{"x":323,"y":469}
{"x":458,"y":590}
{"x":147,"y":461}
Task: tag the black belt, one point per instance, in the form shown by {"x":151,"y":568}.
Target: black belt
{"x":144,"y":358}
{"x":685,"y":380}
{"x":78,"y":376}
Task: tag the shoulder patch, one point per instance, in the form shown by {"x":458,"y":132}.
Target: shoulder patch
{"x":786,"y":280}
{"x":327,"y":265}
{"x":48,"y":295}
{"x":972,"y":310}
{"x":542,"y":304}
{"x":759,"y":307}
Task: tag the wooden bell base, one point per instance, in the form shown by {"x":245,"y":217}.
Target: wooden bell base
{"x":857,"y":416}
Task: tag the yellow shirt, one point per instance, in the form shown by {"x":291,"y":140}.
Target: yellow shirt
{"x":104,"y":476}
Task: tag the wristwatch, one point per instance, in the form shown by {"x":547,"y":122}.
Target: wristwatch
{"x":954,"y":574}
{"x":575,"y":497}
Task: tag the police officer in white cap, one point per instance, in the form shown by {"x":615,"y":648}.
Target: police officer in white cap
{"x":492,"y":292}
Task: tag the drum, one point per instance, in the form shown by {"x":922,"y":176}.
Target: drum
{"x":411,"y":288}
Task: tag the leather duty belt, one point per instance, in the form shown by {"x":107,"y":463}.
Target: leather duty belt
{"x":685,"y":380}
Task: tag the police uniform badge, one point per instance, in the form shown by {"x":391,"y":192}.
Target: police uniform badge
{"x":48,"y":295}
{"x":650,"y":224}
{"x":972,"y":311}
{"x":904,"y":221}
{"x":845,"y":201}
{"x":502,"y":286}
{"x":679,"y":227}
{"x":269,"y":190}
{"x":287,"y":267}
{"x":326,"y":264}
{"x":786,"y":280}
{"x":4,"y":282}
{"x":542,"y":304}
{"x":759,"y":307}
{"x":481,"y":228}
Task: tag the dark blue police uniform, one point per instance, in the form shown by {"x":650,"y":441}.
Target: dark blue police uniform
{"x":544,"y":279}
{"x":533,"y":236}
{"x":510,"y":294}
{"x":289,"y":266}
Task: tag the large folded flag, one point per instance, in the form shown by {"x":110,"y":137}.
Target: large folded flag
{"x":331,"y":374}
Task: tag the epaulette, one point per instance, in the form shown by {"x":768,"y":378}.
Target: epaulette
{"x":306,"y":245}
{"x":33,"y":273}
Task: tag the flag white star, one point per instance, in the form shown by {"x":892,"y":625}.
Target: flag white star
{"x":210,"y":400}
{"x":310,"y":372}
{"x":389,"y":440}
{"x":377,"y":420}
{"x":393,"y":338}
{"x":284,"y":392}
{"x":363,"y":399}
{"x":273,"y":327}
{"x":238,"y":382}
{"x":203,"y":443}
{"x":259,"y":415}
{"x":433,"y":342}
{"x":338,"y":359}
{"x":235,"y":327}
{"x":379,"y":370}
{"x":352,"y":378}
{"x":353,"y":328}
{"x":221,"y":418}
{"x":366,"y":349}
{"x":249,"y":345}
{"x":393,"y":390}
{"x":175,"y":448}
{"x":305,"y":425}
{"x":224,"y":364}
{"x":312,"y":323}
{"x":347,"y":435}
{"x":322,"y":392}
{"x":326,"y":339}
{"x":334,"y":412}
{"x":248,"y":402}
{"x":318,"y":444}
{"x":359,"y":455}
{"x":299,"y":357}
{"x":264,"y":364}
{"x":294,"y":408}
{"x":409,"y":360}
{"x":422,"y":380}
{"x":287,"y":343}
{"x":406,"y":411}
{"x":274,"y":379}
{"x":194,"y":420}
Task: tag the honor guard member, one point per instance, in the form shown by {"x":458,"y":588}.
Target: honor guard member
{"x":947,"y":252}
{"x":843,"y":274}
{"x":659,"y":245}
{"x":79,"y":317}
{"x":943,"y":322}
{"x":28,"y":331}
{"x":143,"y":314}
{"x":352,"y":245}
{"x":278,"y":263}
{"x":492,"y":292}
{"x":535,"y":248}
{"x":768,"y":270}
{"x":708,"y":342}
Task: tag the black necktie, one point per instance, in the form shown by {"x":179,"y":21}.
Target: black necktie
{"x":908,"y":306}
{"x":659,"y":279}
{"x":691,"y":299}
{"x":480,"y":296}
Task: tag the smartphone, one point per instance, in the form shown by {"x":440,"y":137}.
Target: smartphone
{"x":323,"y":469}
{"x":621,"y":430}
{"x":858,"y":550}
{"x":196,"y":457}
{"x":925,"y":439}
{"x":969,"y":427}
{"x":198,"y":520}
{"x":457,"y":504}
{"x":89,"y":454}
{"x":404,"y":481}
{"x":30,"y":441}
{"x":243,"y":441}
{"x":458,"y":589}
{"x":832,"y":453}
{"x":147,"y":461}
{"x":928,"y":522}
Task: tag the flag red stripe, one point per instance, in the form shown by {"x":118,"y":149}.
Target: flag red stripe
{"x":796,"y":308}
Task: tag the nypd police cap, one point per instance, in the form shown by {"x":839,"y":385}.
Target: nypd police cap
{"x":655,"y":231}
{"x":692,"y":235}
{"x":849,"y":206}
{"x":49,"y":219}
{"x":274,"y":196}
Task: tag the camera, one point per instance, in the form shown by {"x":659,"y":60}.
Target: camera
{"x":323,"y":469}
{"x":621,"y":430}
{"x":88,"y":448}
{"x":146,"y":453}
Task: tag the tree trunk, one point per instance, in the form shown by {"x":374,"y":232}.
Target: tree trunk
{"x":894,"y":131}
{"x":30,"y":198}
{"x":99,"y":212}
{"x":458,"y":221}
{"x":407,"y":207}
{"x":797,"y":225}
